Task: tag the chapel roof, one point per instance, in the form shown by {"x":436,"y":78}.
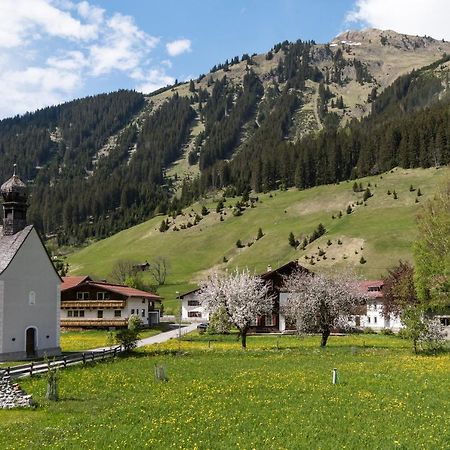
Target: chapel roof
{"x":10,"y":245}
{"x":14,"y":184}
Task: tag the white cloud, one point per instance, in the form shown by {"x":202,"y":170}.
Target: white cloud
{"x":416,"y":17}
{"x":123,"y":48}
{"x":21,"y":20}
{"x":178,"y":47}
{"x":152,"y":79}
{"x":52,"y":49}
{"x":35,"y":87}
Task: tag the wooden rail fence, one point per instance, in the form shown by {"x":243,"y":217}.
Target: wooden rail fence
{"x":35,"y":368}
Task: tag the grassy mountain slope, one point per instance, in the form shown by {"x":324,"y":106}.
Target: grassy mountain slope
{"x":382,"y":232}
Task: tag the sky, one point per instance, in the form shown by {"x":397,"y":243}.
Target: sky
{"x":52,"y":51}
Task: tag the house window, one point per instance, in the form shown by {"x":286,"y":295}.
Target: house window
{"x":445,"y":321}
{"x":368,"y":319}
{"x":269,"y":320}
{"x":100,"y":314}
{"x":194,"y":314}
{"x":102,"y":295}
{"x":69,"y":313}
{"x":82,"y":295}
{"x":117,"y":313}
{"x":32,"y":298}
{"x":76,"y":313}
{"x":374,"y":320}
{"x":193,"y":303}
{"x":132,"y":311}
{"x":143,"y":313}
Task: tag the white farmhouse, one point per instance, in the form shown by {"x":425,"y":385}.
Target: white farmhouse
{"x":191,"y":308}
{"x":86,"y":303}
{"x":29,"y":284}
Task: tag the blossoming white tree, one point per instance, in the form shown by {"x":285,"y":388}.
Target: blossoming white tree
{"x":317,"y":303}
{"x":242,"y":295}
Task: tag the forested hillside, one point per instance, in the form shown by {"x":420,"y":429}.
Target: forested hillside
{"x":303,"y":114}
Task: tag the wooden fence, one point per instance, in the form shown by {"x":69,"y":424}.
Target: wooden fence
{"x":35,"y":368}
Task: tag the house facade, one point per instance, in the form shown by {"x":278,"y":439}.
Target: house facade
{"x":86,"y":303}
{"x":192,"y":309}
{"x":29,"y":283}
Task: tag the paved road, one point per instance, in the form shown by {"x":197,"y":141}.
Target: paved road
{"x":163,"y":337}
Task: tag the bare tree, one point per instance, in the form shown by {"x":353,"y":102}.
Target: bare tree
{"x":243,"y":297}
{"x":159,"y":269}
{"x":317,"y":304}
{"x":122,"y":270}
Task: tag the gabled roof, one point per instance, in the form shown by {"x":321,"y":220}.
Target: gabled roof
{"x":10,"y":245}
{"x":123,"y":290}
{"x":70,"y":282}
{"x":85,"y":281}
{"x":279,"y":272}
{"x":365,"y":286}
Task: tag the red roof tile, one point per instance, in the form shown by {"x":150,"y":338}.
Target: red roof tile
{"x":70,"y":282}
{"x":376,"y":284}
{"x":124,"y":290}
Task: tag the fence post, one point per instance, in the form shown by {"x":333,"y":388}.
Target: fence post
{"x":103,"y":358}
{"x":31,"y":369}
{"x":7,"y":370}
{"x":65,"y":362}
{"x":93,"y":357}
{"x":84,"y":358}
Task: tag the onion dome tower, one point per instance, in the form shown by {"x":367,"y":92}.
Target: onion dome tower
{"x":14,"y":193}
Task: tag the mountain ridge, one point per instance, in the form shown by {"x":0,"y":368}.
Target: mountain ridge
{"x":139,"y":163}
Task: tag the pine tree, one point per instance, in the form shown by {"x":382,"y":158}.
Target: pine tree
{"x":260,"y":234}
{"x":367,"y":194}
{"x":292,"y":240}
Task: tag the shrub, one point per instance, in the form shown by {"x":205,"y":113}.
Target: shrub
{"x":369,"y":330}
{"x":239,"y":244}
{"x":339,"y":242}
{"x":395,"y":195}
{"x":205,"y":211}
{"x":433,"y":337}
{"x":387,"y":331}
{"x":219,"y":322}
{"x":349,"y":209}
{"x":329,"y":242}
{"x":419,"y":193}
{"x":362,"y":260}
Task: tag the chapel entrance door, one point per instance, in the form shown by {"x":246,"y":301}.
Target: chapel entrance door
{"x":31,"y":342}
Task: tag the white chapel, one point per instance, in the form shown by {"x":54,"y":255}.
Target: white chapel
{"x":29,"y":283}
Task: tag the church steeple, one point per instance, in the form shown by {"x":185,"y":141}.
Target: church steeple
{"x":14,"y":193}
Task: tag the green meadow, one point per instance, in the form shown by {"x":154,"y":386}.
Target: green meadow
{"x":382,"y":232}
{"x":276,"y":395}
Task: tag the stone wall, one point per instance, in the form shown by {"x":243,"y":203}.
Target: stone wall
{"x":12,"y":396}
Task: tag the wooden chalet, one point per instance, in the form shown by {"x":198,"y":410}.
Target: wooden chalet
{"x":86,"y":303}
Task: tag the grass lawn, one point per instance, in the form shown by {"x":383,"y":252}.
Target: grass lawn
{"x":276,"y":395}
{"x":382,"y":232}
{"x":73,"y":341}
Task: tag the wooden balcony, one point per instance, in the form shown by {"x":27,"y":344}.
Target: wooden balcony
{"x":93,"y":323}
{"x":93,"y":304}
